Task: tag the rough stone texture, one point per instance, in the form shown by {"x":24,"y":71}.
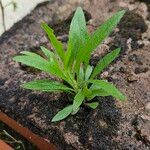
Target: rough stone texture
{"x":142,"y":127}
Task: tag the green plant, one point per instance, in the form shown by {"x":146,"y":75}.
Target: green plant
{"x":72,"y":65}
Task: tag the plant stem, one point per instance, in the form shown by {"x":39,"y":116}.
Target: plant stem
{"x":14,"y":140}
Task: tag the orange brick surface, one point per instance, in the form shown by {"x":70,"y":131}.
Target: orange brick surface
{"x":4,"y":146}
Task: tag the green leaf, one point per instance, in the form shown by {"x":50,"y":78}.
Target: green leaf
{"x":74,"y":112}
{"x":93,"y":105}
{"x":46,"y":85}
{"x":88,"y":72}
{"x":56,"y":44}
{"x":109,"y":88}
{"x":62,"y":114}
{"x":77,"y":36}
{"x":87,"y":92}
{"x":80,"y":76}
{"x":28,"y":53}
{"x":104,"y":62}
{"x":100,"y":34}
{"x":78,"y":99}
{"x":97,"y":92}
{"x":34,"y":60}
{"x":55,"y":63}
{"x":47,"y":53}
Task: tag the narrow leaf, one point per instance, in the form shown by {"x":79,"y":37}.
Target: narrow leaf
{"x":34,"y":61}
{"x":78,"y":99}
{"x":87,"y":92}
{"x":100,"y":34}
{"x":93,"y":105}
{"x":62,"y":114}
{"x":97,"y":92}
{"x":77,"y":36}
{"x":104,"y":62}
{"x":80,"y":75}
{"x":47,"y":53}
{"x":106,"y":28}
{"x":56,"y":44}
{"x":109,"y":88}
{"x":28,"y":53}
{"x":88,"y":72}
{"x":46,"y":85}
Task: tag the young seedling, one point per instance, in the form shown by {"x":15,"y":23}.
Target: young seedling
{"x":72,"y":65}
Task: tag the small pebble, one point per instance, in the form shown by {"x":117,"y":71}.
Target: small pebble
{"x":103,"y":124}
{"x":63,"y":38}
{"x":147,"y":107}
{"x":12,"y":100}
{"x":132,"y":78}
{"x":122,"y":70}
{"x":135,"y":58}
{"x":140,"y":70}
{"x":2,"y":82}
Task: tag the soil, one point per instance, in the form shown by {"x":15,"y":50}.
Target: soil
{"x":114,"y":124}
